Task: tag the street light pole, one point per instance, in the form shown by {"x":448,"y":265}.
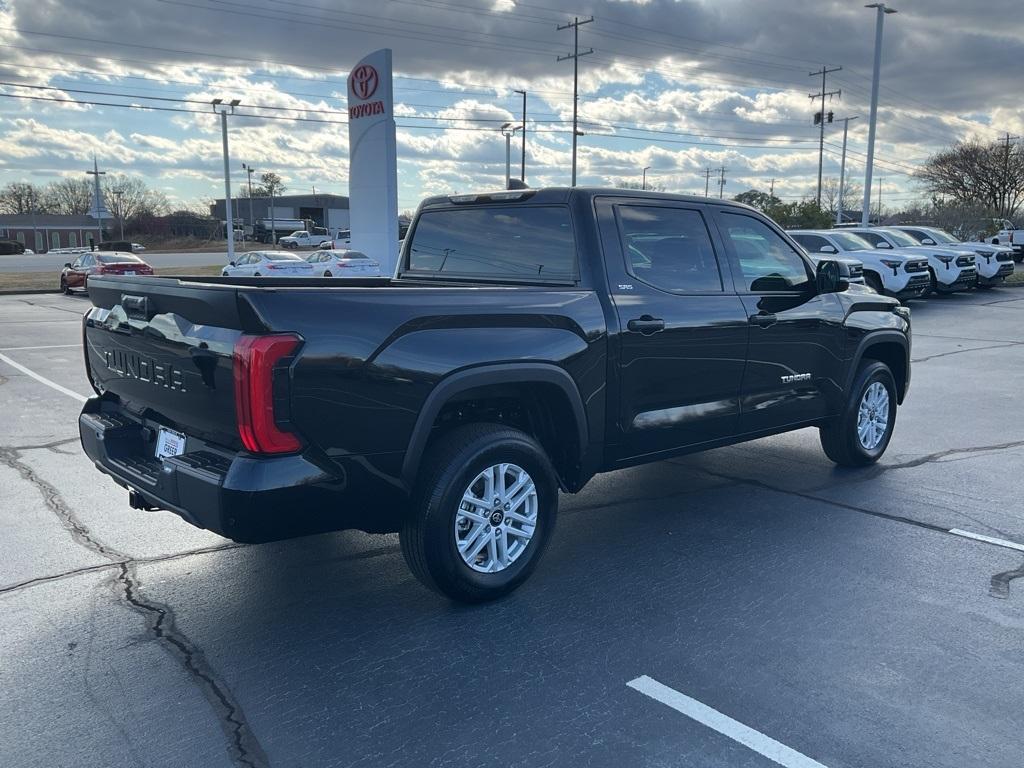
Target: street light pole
{"x":842,"y":171}
{"x":643,"y":184}
{"x":880,"y":12}
{"x":249,"y":171}
{"x":228,"y":213}
{"x":522,"y":165}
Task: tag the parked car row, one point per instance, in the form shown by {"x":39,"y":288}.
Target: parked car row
{"x":910,"y":262}
{"x":321,"y":263}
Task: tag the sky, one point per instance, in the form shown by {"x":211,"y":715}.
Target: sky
{"x":677,"y":85}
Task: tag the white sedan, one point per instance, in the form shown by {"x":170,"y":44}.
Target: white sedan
{"x":343,"y":263}
{"x":268,"y":264}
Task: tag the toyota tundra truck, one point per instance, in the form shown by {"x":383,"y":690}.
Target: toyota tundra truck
{"x":528,"y":340}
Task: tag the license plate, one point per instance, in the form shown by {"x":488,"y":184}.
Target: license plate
{"x":130,"y":272}
{"x":169,"y":443}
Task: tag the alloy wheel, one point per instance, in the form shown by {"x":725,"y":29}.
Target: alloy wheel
{"x":496,"y":518}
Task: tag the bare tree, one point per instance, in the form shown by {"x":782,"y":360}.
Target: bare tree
{"x":21,"y":197}
{"x":128,"y":197}
{"x":271,"y":184}
{"x":68,"y":197}
{"x":852,"y":193}
{"x":975,"y":172}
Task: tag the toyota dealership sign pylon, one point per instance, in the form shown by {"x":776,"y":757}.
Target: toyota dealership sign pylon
{"x":372,"y":160}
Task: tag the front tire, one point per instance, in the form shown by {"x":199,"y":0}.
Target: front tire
{"x":861,"y":433}
{"x":64,"y":287}
{"x":328,"y":274}
{"x":874,"y":282}
{"x":483,"y":511}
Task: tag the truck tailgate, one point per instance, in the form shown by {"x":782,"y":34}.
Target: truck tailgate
{"x":165,"y":351}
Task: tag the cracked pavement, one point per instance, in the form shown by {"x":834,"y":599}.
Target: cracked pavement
{"x":829,"y":608}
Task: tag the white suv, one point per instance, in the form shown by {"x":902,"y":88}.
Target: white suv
{"x":897,"y":273}
{"x":994,"y":262}
{"x":951,"y":269}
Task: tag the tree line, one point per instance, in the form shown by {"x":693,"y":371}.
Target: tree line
{"x":126,"y":197}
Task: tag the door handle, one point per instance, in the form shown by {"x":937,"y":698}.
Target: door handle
{"x":764,"y":319}
{"x":646,"y":325}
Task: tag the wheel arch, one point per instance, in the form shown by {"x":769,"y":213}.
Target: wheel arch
{"x":891,"y":348}
{"x":550,"y":399}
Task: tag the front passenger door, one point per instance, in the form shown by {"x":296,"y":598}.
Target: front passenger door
{"x":795,"y":357}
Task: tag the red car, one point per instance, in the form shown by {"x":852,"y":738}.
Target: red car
{"x":76,"y":273}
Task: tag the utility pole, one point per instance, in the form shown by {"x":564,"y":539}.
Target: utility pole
{"x":721,"y":181}
{"x":771,"y":187}
{"x":522,"y":163}
{"x":1005,"y":192}
{"x":881,"y":178}
{"x":119,"y":195}
{"x":842,"y":171}
{"x":820,"y":117}
{"x":643,"y":184}
{"x":575,"y":56}
{"x":228,"y":213}
{"x":707,"y":180}
{"x":96,"y":173}
{"x":881,"y":11}
{"x":249,"y":170}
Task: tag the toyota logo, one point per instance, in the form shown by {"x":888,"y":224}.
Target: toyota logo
{"x":364,"y":81}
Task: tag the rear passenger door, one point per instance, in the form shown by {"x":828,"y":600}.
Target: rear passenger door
{"x":682,"y":329}
{"x":795,"y":359}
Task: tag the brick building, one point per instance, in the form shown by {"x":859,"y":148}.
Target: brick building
{"x":44,"y":232}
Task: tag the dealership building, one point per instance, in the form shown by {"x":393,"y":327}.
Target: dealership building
{"x":324,"y":209}
{"x":44,"y":231}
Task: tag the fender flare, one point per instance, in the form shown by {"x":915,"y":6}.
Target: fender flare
{"x":505,"y":373}
{"x":870,"y":340}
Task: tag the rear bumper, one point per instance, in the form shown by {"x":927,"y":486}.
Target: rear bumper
{"x":237,"y":495}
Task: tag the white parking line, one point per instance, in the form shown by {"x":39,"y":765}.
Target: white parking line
{"x":715,"y":720}
{"x":987,"y":539}
{"x":47,"y":346}
{"x":43,"y":379}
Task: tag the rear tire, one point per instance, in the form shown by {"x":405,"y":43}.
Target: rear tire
{"x":327,"y":273}
{"x":859,"y":436}
{"x":257,"y":275}
{"x":480,"y":550}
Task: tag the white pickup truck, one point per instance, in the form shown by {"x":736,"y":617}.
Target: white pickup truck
{"x":1010,"y":235}
{"x":303,"y":239}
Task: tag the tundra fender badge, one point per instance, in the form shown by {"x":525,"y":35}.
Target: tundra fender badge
{"x":795,"y":378}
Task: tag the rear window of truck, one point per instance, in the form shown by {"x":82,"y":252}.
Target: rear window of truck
{"x":512,"y":242}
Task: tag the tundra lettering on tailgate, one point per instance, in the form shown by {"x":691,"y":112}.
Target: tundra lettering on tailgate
{"x":133,"y":366}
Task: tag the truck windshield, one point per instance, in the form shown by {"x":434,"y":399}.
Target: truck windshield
{"x":528,"y":243}
{"x":850,"y":242}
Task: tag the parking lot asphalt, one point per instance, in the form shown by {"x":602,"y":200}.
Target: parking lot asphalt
{"x":748,"y":606}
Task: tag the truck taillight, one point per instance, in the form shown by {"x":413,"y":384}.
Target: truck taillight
{"x":255,"y":360}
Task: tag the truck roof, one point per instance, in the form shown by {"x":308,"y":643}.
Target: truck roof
{"x":555,"y":195}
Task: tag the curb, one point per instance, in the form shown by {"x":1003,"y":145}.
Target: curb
{"x":29,"y":291}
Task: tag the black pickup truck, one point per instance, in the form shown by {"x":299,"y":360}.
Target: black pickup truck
{"x":528,"y":341}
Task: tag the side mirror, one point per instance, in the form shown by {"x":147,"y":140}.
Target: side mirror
{"x":231,"y":264}
{"x":832,"y":276}
{"x":827,"y":249}
{"x":67,"y":264}
{"x":927,"y":241}
{"x":883,"y":244}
